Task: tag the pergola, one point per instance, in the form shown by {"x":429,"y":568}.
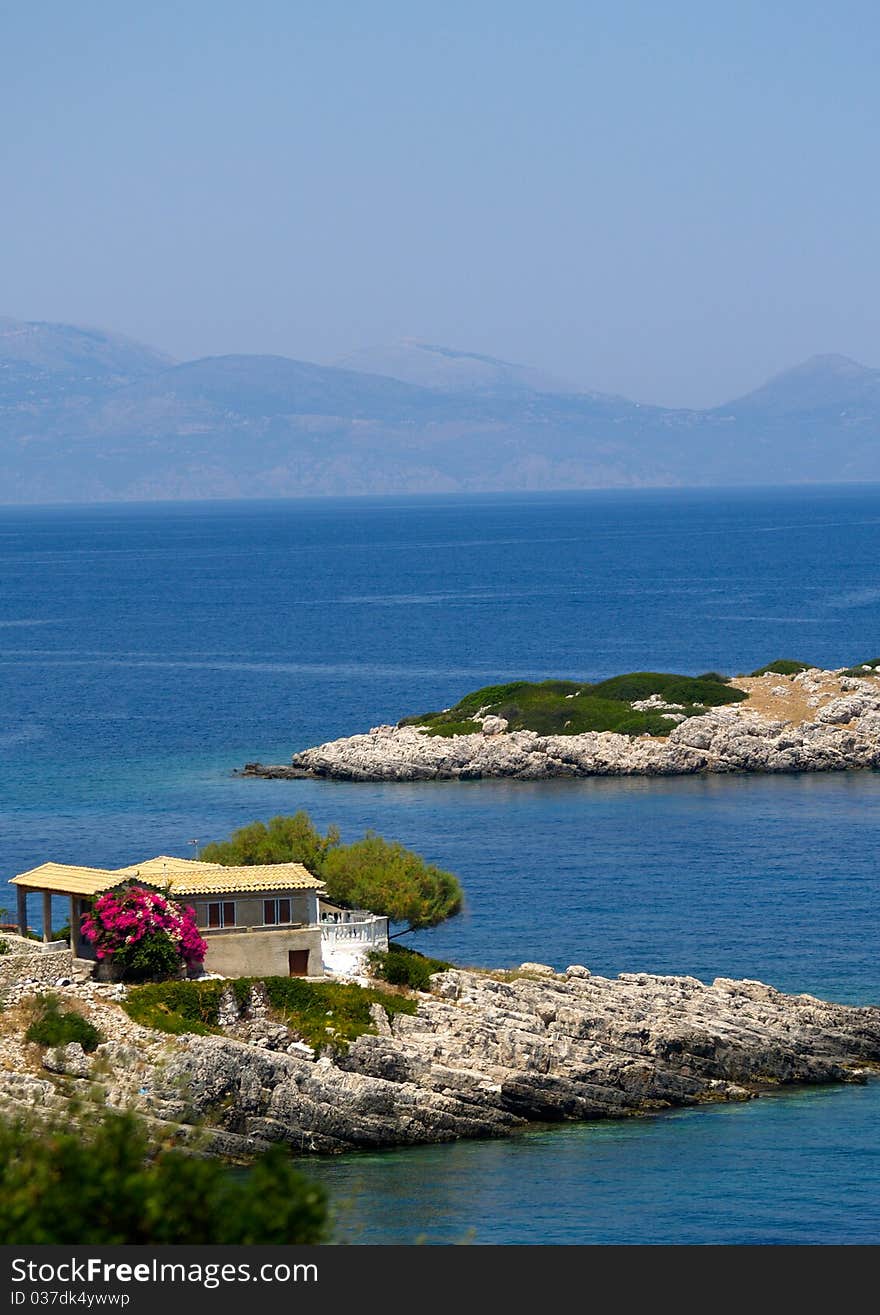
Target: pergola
{"x":77,"y":883}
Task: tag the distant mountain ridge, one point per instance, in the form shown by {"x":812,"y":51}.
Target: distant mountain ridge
{"x":429,"y":366}
{"x":822,"y":381}
{"x":91,"y":416}
{"x":38,"y":358}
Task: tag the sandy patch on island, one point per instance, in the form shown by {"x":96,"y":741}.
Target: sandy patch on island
{"x":799,"y":698}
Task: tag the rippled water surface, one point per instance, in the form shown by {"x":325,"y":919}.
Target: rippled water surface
{"x":146,"y":651}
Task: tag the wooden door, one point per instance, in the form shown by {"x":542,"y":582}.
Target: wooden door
{"x":298,"y":963}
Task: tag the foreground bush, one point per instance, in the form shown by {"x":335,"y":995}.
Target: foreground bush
{"x":110,"y":1187}
{"x":53,"y":1026}
{"x":400,"y":966}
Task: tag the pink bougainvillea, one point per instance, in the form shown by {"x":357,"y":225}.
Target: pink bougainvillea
{"x":120,"y":918}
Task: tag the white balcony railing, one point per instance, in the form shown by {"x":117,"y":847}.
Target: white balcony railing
{"x":355,"y":927}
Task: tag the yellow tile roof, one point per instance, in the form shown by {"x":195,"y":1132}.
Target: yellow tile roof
{"x":169,"y":865}
{"x":186,"y":876}
{"x":67,"y":879}
{"x":178,"y":876}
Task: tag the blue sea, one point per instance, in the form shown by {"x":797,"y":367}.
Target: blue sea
{"x":147,"y":651}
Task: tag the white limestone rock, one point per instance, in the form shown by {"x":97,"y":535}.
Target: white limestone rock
{"x":483,"y":1056}
{"x":840,"y":711}
{"x":656,"y":703}
{"x":71,"y":1060}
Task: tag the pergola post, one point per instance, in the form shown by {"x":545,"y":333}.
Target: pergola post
{"x":74,"y":926}
{"x":47,"y":917}
{"x":21,"y":895}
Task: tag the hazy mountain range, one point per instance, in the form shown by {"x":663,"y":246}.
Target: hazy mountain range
{"x":91,"y":416}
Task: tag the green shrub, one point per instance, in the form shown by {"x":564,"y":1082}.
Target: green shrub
{"x":782,"y":667}
{"x":567,"y":707}
{"x":450,"y":728}
{"x":5,"y":947}
{"x":645,"y":723}
{"x":54,"y":1027}
{"x":859,"y":670}
{"x":400,"y":966}
{"x":672,"y":688}
{"x":153,"y":958}
{"x":549,"y":713}
{"x":489,"y":695}
{"x":106,"y":1185}
{"x":330,"y":1013}
{"x":176,"y":1007}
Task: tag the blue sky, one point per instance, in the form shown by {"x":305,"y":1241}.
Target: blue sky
{"x":668,"y":200}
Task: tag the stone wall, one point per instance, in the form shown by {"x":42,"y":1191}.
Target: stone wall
{"x":346,"y":958}
{"x":23,"y":974}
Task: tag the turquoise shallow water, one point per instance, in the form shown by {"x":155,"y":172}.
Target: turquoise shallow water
{"x":144,"y":652}
{"x":782,"y":1170}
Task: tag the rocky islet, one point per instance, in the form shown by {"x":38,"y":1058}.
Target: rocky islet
{"x":811,"y":721}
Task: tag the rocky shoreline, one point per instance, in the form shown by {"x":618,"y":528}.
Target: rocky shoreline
{"x":484,"y":1055}
{"x":814,"y":721}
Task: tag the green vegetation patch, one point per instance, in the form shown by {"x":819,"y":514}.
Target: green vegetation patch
{"x":864,"y":669}
{"x":401,"y":966}
{"x":53,"y":1026}
{"x":438,"y":725}
{"x":788,"y":667}
{"x":334,"y":1012}
{"x":176,"y":1007}
{"x":711,"y":690}
{"x":783,"y":667}
{"x":568,"y":707}
{"x":322,"y":1013}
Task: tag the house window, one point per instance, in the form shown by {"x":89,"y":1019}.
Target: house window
{"x":276,"y":912}
{"x":221,"y":914}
